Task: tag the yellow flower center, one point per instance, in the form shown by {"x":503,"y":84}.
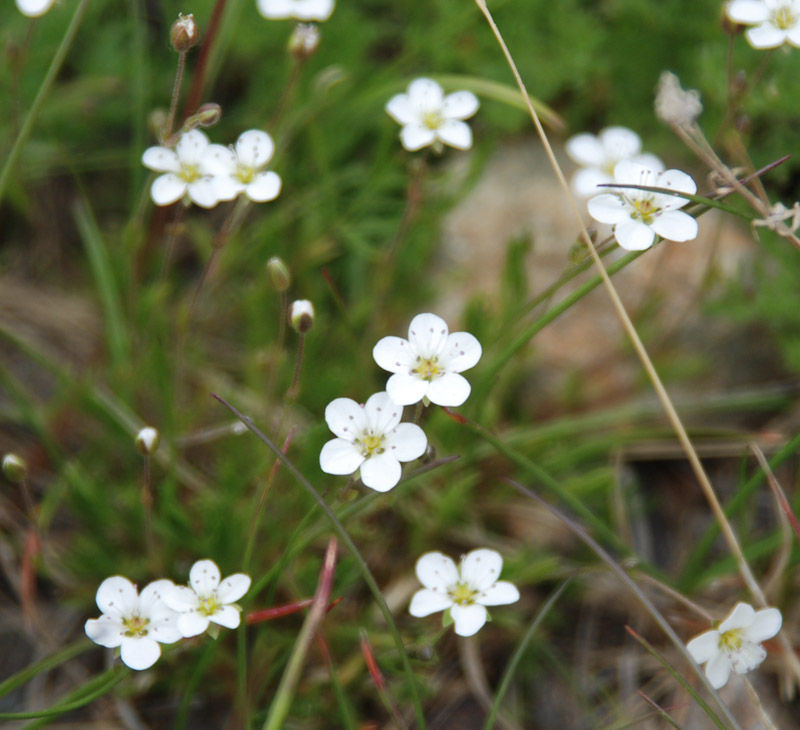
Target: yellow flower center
{"x":370,"y":444}
{"x":135,"y":626}
{"x":644,"y":210}
{"x":462,"y":594}
{"x":246,"y":174}
{"x":783,"y":18}
{"x":189,"y":173}
{"x":731,"y":640}
{"x":432,"y":119}
{"x":209,"y":605}
{"x":428,"y":368}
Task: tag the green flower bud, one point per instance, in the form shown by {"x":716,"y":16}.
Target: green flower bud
{"x":278,"y":274}
{"x":14,"y":468}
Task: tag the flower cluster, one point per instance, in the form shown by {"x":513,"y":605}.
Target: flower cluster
{"x":163,"y":613}
{"x":205,"y":173}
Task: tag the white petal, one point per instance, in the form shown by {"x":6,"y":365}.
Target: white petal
{"x":233,"y":587}
{"x":461,"y":352}
{"x":276,"y":9}
{"x":117,"y":597}
{"x":226,"y":616}
{"x":766,"y":623}
{"x":747,"y":11}
{"x":456,"y":134}
{"x":339,"y":457}
{"x":381,"y":472}
{"x":740,"y":617}
{"x":718,"y":670}
{"x":481,"y":568}
{"x":677,"y":180}
{"x":192,"y":623}
{"x":406,"y":442}
{"x":765,"y":36}
{"x":585,"y":181}
{"x":405,"y":389}
{"x":106,"y":631}
{"x":628,"y":172}
{"x":619,"y":143}
{"x":426,"y":94}
{"x":747,"y":657}
{"x":427,"y":335}
{"x":608,"y":208}
{"x":164,"y":627}
{"x":437,"y":572}
{"x":204,"y":577}
{"x":793,"y":35}
{"x":139,"y":653}
{"x":634,"y":235}
{"x":651,"y":162}
{"x":219,"y":160}
{"x":499,"y":594}
{"x":161,"y":159}
{"x":266,"y":186}
{"x":254,"y":148}
{"x":382,"y":413}
{"x":450,"y":389}
{"x":167,"y":189}
{"x":460,"y":105}
{"x":426,"y":601}
{"x":400,"y":108}
{"x":203,"y":192}
{"x":393,"y":354}
{"x":468,"y":619}
{"x":151,"y":599}
{"x":586,"y":150}
{"x":675,"y":225}
{"x":319,"y":10}
{"x":181,"y":598}
{"x":226,"y":187}
{"x":191,"y":147}
{"x":34,"y":8}
{"x":345,"y":418}
{"x":704,"y":647}
{"x":414,"y":136}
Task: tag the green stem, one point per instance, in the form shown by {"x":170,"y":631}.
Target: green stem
{"x":26,"y":675}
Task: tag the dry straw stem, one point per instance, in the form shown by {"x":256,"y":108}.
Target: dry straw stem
{"x":663,"y":396}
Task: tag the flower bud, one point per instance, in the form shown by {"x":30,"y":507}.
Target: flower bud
{"x":147,"y":441}
{"x":184,"y":34}
{"x":14,"y":468}
{"x":301,"y":315}
{"x":208,"y":114}
{"x":304,"y":41}
{"x":278,"y":273}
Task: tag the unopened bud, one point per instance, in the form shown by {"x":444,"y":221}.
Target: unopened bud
{"x":278,"y":273}
{"x":156,"y":121}
{"x":184,"y":34}
{"x":207,"y":115}
{"x":304,"y":41}
{"x":14,"y":468}
{"x":147,"y":441}
{"x":301,"y":315}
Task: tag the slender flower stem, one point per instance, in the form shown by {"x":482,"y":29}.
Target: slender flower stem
{"x":166,"y":132}
{"x":201,"y":69}
{"x":50,"y":76}
{"x":294,"y":388}
{"x":288,"y":92}
{"x":147,"y":505}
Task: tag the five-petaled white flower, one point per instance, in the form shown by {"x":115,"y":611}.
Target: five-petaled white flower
{"x":370,"y":437}
{"x":240,"y":170}
{"x":638,"y":215}
{"x":598,"y":155}
{"x":134,"y":622}
{"x":208,"y":599}
{"x":429,"y":117}
{"x":34,"y":8}
{"x":736,"y":643}
{"x":305,"y":10}
{"x":428,"y":363}
{"x":776,"y":21}
{"x":464,"y":591}
{"x":186,"y":172}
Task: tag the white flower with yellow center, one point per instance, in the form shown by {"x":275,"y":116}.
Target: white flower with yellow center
{"x":638,"y":215}
{"x":736,"y":643}
{"x":463,"y":590}
{"x":185,"y":172}
{"x":134,"y":622}
{"x":370,"y":437}
{"x":599,"y":155}
{"x":240,"y":169}
{"x":305,"y":10}
{"x":776,"y":21}
{"x":428,"y":363}
{"x":208,"y":600}
{"x":34,"y":8}
{"x":428,"y":117}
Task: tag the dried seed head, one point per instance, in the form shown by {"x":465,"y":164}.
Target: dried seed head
{"x":184,"y":34}
{"x":301,"y":315}
{"x":304,"y":41}
{"x":147,"y":441}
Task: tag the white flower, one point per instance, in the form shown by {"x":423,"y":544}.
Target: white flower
{"x":428,"y":363}
{"x":134,"y":622}
{"x":318,"y":10}
{"x":776,"y":21}
{"x":465,"y":590}
{"x":736,"y":643}
{"x":208,"y":599}
{"x":185,"y":171}
{"x":638,"y":215}
{"x":240,"y":170}
{"x":371,"y":437}
{"x":598,"y":156}
{"x":428,"y":116}
{"x":34,"y":8}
